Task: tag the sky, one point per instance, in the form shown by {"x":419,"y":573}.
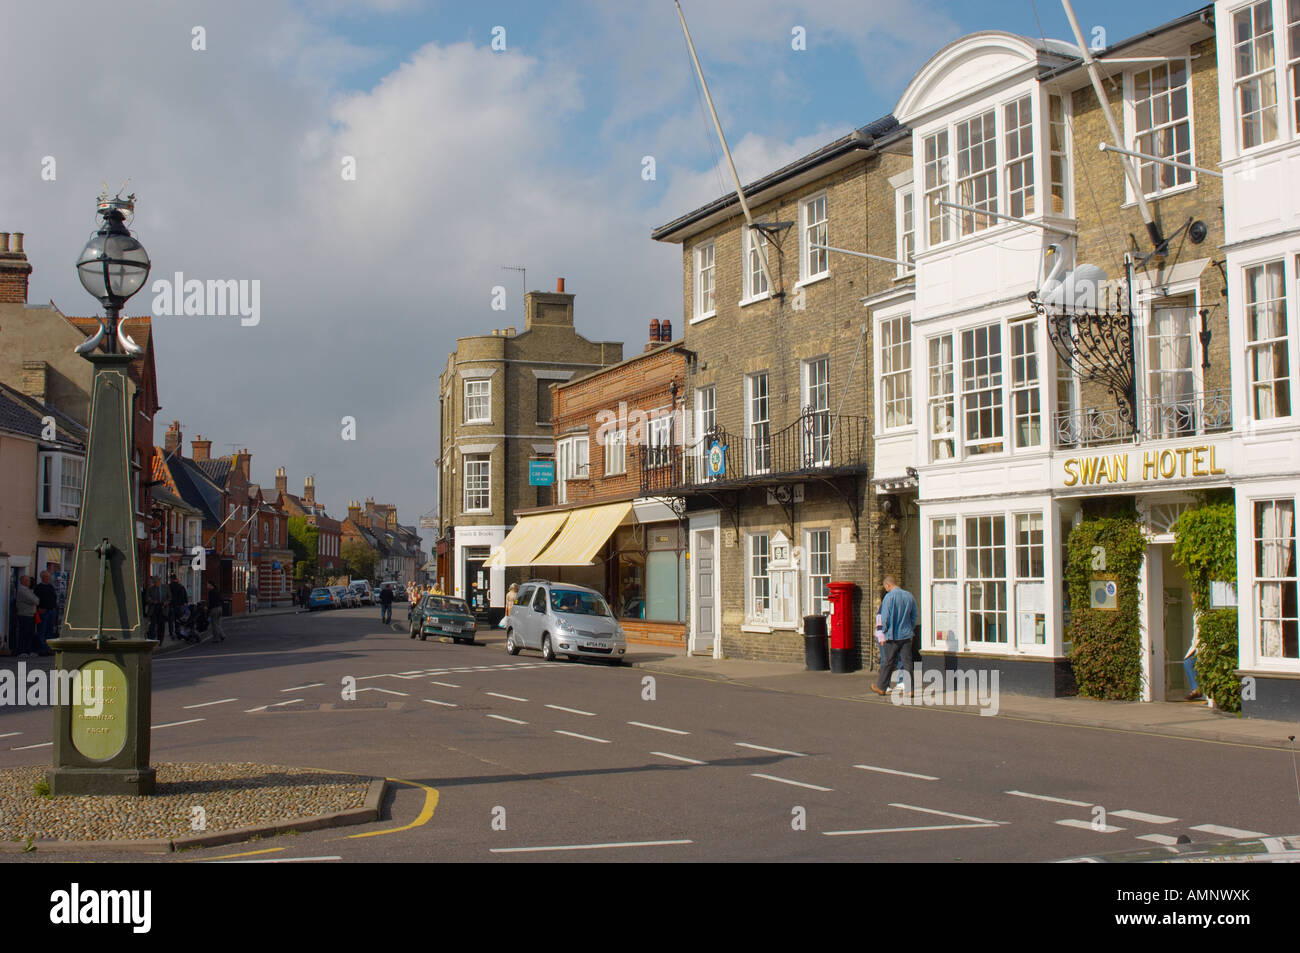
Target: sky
{"x":481,"y":136}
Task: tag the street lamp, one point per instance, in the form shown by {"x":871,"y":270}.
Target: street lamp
{"x":101,"y":734}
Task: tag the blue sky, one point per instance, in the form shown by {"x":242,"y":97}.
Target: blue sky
{"x":468,"y":160}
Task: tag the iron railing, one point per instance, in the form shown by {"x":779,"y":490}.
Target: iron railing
{"x":817,"y":441}
{"x":1159,"y":419}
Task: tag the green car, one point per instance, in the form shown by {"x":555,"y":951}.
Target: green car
{"x":441,"y":616}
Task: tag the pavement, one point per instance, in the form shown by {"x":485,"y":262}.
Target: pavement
{"x":1193,"y":720}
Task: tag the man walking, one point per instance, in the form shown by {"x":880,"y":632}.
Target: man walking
{"x":26,"y":604}
{"x":898,"y":620}
{"x":178,"y":598}
{"x":214,"y":612}
{"x":48,"y":604}
{"x":386,"y":604}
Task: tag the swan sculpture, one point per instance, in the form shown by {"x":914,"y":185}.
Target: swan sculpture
{"x":1079,"y":289}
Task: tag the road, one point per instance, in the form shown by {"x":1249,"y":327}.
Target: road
{"x":514,"y":759}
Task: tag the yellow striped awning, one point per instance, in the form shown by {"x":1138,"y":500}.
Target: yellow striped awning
{"x":587,"y":530}
{"x":526,"y":540}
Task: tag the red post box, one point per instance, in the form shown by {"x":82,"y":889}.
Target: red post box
{"x":843,"y":639}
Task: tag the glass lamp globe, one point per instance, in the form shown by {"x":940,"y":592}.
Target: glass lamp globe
{"x":113,"y":264}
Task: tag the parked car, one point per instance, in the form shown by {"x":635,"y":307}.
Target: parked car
{"x":362,"y":588}
{"x":399,"y":590}
{"x":564,"y":619}
{"x":439,"y":616}
{"x":343,"y":596}
{"x":321,"y":598}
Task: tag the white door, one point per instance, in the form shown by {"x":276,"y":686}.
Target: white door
{"x":705,"y":596}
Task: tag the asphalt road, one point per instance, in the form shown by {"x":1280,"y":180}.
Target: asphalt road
{"x":514,"y":759}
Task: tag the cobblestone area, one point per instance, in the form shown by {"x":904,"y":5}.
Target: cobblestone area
{"x":231,"y":796}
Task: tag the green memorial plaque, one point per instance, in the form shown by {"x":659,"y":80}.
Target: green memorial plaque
{"x":99,"y":731}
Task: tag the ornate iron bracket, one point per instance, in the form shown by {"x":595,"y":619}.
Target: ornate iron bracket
{"x":1098,"y":346}
{"x":784,"y":495}
{"x":852,"y":498}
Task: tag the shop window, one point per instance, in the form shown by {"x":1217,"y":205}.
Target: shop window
{"x":1031,"y":590}
{"x":1275,"y":579}
{"x":986,"y":579}
{"x":945,"y":590}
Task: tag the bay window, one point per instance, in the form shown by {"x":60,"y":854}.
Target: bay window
{"x":906,"y":213}
{"x":943,"y":411}
{"x":1058,"y":154}
{"x":977,"y":170}
{"x":945,"y":589}
{"x":896,"y":371}
{"x":1267,"y":342}
{"x":1019,"y":123}
{"x":1028,"y":418}
{"x":981,"y":384}
{"x":1278,"y":626}
{"x":986,"y":579}
{"x":936,"y":188}
{"x":1255,"y":82}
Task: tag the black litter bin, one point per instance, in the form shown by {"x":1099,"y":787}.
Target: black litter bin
{"x":816,"y":649}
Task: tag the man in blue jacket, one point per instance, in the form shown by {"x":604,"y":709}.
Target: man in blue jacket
{"x":898,"y":618}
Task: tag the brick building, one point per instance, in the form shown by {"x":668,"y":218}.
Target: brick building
{"x":776,"y":482}
{"x":494,"y":417}
{"x":37,"y":356}
{"x":612,"y":427}
{"x":329,"y":559}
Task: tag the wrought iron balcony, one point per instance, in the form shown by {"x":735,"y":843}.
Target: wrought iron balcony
{"x":1160,"y":419}
{"x":817,"y":443}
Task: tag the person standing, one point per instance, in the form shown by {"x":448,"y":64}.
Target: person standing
{"x":214,"y":612}
{"x":48,"y":599}
{"x":1189,"y":667}
{"x":898,"y":616}
{"x":177,"y":598}
{"x":26,"y":603}
{"x":156,"y":599}
{"x":251,"y":594}
{"x":386,"y":604}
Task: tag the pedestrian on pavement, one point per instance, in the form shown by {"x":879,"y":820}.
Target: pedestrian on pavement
{"x":215,"y":605}
{"x":48,"y":597}
{"x":1189,"y":667}
{"x":27,"y":603}
{"x":386,"y":604}
{"x":898,"y":616}
{"x":156,"y":599}
{"x":251,"y":595}
{"x":179,"y":598}
{"x":512,"y":596}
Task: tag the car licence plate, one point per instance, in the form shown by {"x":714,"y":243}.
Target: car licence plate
{"x":596,"y":645}
{"x":451,"y":628}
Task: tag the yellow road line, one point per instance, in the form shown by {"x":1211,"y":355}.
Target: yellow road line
{"x":247,"y":853}
{"x":426,"y":814}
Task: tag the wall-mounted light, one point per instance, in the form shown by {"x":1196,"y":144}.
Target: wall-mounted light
{"x":1205,"y":339}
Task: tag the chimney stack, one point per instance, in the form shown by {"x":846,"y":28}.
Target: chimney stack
{"x":654,"y":335}
{"x":281,"y":481}
{"x":35,"y":379}
{"x":354,"y":511}
{"x":309,"y":490}
{"x":172,"y":441}
{"x":14,"y":269}
{"x":548,"y":308}
{"x":201,"y":449}
{"x":244,"y":460}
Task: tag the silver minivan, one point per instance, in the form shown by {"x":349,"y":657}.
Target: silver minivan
{"x":560,"y":618}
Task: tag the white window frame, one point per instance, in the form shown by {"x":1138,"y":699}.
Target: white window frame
{"x":572,"y":462}
{"x":998,"y":391}
{"x":1131,"y":133}
{"x":936,"y":179}
{"x":659,"y":440}
{"x":905,"y":228}
{"x":615,"y":451}
{"x":820,"y":451}
{"x":895,"y":363}
{"x":1262,"y":76}
{"x":1292,"y":66}
{"x":1028,"y":189}
{"x":806,"y":252}
{"x":698,"y":268}
{"x":1064,"y":154}
{"x":754,"y":461}
{"x":1253,"y":345}
{"x":1030,"y":387}
{"x":752,"y":269}
{"x":754,"y":583}
{"x":1005,"y":580}
{"x":972,"y":223}
{"x":472,"y":399}
{"x":936,"y":400}
{"x":64,"y":475}
{"x":817,"y":584}
{"x":1263,"y":576}
{"x":483,"y":482}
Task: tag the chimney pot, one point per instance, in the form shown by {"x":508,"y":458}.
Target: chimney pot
{"x":559,"y":286}
{"x":665,"y":330}
{"x":16,"y":245}
{"x":4,"y":242}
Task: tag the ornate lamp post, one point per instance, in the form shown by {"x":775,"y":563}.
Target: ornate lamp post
{"x":101,"y":740}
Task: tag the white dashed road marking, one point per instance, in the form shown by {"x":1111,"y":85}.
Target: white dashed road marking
{"x":644,"y":843}
{"x":386,"y":691}
{"x":513,"y":698}
{"x":1226,"y":831}
{"x":513,"y":721}
{"x":45,"y":744}
{"x":930,"y":810}
{"x":907,"y":830}
{"x":798,"y":784}
{"x":1089,"y":826}
{"x":574,"y":734}
{"x":1144,"y":818}
{"x":298,"y":688}
{"x":796,"y":754}
{"x":175,"y":724}
{"x":249,"y":711}
{"x":1054,"y":800}
{"x":10,"y":734}
{"x":677,"y":757}
{"x":905,"y":774}
{"x":202,"y":704}
{"x":444,"y":704}
{"x":291,"y":701}
{"x":1163,"y":839}
{"x":671,"y":731}
{"x":445,"y":684}
{"x":573,"y":711}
